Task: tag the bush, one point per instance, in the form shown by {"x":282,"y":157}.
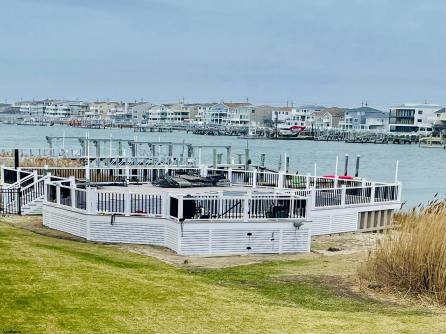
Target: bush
{"x":412,"y":258}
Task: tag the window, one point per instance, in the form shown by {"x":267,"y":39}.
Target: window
{"x":420,"y":112}
{"x":419,"y":120}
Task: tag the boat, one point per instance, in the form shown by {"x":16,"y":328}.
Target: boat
{"x":433,"y":142}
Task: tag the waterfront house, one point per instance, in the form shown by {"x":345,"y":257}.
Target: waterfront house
{"x":259,"y":115}
{"x":440,"y":121}
{"x":200,"y":111}
{"x":364,"y":118}
{"x":105,"y":109}
{"x":228,"y":114}
{"x":157,"y":113}
{"x":281,"y":114}
{"x":303,"y":115}
{"x":180,"y":112}
{"x":328,"y":118}
{"x":413,"y":117}
{"x":140,"y":111}
{"x":66,"y":109}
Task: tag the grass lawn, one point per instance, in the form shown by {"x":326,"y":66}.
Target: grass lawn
{"x":61,"y":286}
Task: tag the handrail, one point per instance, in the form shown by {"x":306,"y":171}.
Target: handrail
{"x":19,"y":182}
{"x":34,"y":183}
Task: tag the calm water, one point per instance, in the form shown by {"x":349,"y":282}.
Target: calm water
{"x":421,"y":170}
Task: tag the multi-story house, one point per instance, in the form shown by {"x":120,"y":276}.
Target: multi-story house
{"x":440,"y":121}
{"x":303,"y":116}
{"x":200,"y":112}
{"x":412,"y":117}
{"x":364,"y":118}
{"x":157,"y":113}
{"x":328,"y":118}
{"x":105,"y":109}
{"x":34,"y":108}
{"x":259,"y":115}
{"x":178,"y":112}
{"x":227,"y":114}
{"x":281,"y":114}
{"x":53,"y":108}
{"x":140,"y":111}
{"x":66,"y":109}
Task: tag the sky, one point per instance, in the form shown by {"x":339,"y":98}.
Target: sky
{"x":327,"y":52}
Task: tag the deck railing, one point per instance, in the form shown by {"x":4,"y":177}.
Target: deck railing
{"x":324,"y":192}
{"x":237,"y":207}
{"x":92,"y":201}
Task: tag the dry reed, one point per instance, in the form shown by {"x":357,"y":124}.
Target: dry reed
{"x":42,"y":161}
{"x":411,"y":259}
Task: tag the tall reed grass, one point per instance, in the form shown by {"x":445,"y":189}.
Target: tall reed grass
{"x":412,"y":258}
{"x":42,"y":161}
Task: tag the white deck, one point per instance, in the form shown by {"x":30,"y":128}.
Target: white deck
{"x":261,"y":212}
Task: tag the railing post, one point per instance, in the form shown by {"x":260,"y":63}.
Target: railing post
{"x":230,"y":176}
{"x":246,"y":208}
{"x":165,"y":205}
{"x":45,"y":190}
{"x":2,"y":175}
{"x":308,"y":208}
{"x":35,"y":176}
{"x":127,"y":174}
{"x":91,"y":200}
{"x":127,"y":203}
{"x":281,"y":179}
{"x":180,"y":207}
{"x":58,"y":193}
{"x":343,"y":193}
{"x":313,"y":198}
{"x":254,"y":178}
{"x":87,"y":172}
{"x":18,"y":174}
{"x":73,"y":191}
{"x":307,"y":181}
{"x":399,"y":185}
{"x":204,"y":171}
{"x":220,"y":205}
{"x":292,"y":199}
{"x":372,"y":194}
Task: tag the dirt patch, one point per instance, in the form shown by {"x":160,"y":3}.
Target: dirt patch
{"x":344,"y":243}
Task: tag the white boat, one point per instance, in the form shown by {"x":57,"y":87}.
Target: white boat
{"x":433,"y":142}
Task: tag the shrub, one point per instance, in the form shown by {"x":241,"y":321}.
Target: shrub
{"x":412,"y":258}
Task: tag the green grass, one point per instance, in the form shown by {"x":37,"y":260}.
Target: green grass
{"x":60,"y":286}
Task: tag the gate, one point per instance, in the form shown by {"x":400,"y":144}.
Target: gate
{"x":10,"y":199}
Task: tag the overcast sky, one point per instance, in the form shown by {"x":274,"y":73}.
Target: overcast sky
{"x":328,"y":52}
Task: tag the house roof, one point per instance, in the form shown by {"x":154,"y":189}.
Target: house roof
{"x":237,"y":104}
{"x":333,"y":111}
{"x":284,"y":108}
{"x":311,"y":106}
{"x":365,"y":110}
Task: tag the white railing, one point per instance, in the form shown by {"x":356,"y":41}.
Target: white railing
{"x":237,"y":207}
{"x":92,"y":201}
{"x":323,"y":192}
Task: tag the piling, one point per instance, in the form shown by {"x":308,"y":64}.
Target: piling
{"x":357,"y":165}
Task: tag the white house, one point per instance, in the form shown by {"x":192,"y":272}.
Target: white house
{"x":282,"y":114}
{"x":412,"y":117}
{"x":228,"y":114}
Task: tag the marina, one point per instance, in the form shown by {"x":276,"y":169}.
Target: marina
{"x":376,"y":162}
